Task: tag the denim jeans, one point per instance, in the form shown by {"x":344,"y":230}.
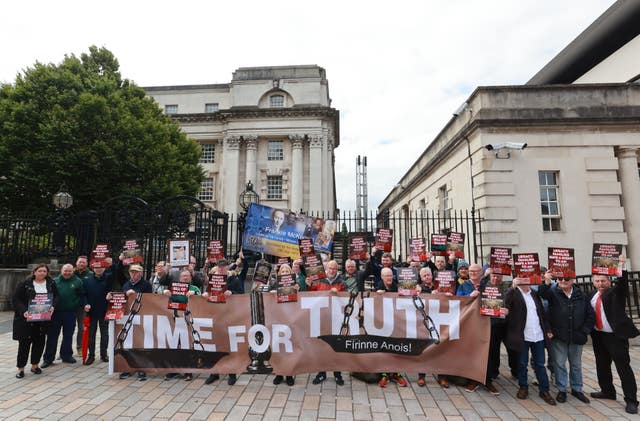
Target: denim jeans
{"x":537,"y":355}
{"x":561,"y":351}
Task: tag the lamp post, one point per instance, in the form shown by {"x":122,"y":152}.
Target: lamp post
{"x":62,"y":200}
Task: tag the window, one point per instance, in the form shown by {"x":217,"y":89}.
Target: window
{"x":445,"y":203}
{"x":549,"y":201}
{"x":276,"y":101}
{"x":206,"y":190}
{"x":211,"y":108}
{"x":171,"y":109}
{"x":274,"y":187}
{"x":208,"y":153}
{"x":276,"y":151}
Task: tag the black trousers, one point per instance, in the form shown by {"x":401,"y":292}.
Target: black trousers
{"x":498,"y":336}
{"x":96,"y":322}
{"x":608,"y":348}
{"x":35,"y":344}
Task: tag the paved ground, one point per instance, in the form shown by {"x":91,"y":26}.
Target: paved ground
{"x":72,"y":392}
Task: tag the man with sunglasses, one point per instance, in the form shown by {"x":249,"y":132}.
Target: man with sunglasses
{"x":571,"y":318}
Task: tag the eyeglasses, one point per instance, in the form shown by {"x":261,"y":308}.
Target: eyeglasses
{"x":565,"y":279}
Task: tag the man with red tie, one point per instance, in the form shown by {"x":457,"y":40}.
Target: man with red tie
{"x":610,"y":338}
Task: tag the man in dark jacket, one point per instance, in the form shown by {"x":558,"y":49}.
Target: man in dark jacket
{"x":610,"y":338}
{"x":571,"y":318}
{"x":527,"y":328}
{"x":71,"y":298}
{"x":98,"y":286}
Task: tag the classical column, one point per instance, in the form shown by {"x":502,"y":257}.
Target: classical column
{"x":315,"y":173}
{"x":231,"y":161}
{"x":297,"y":175}
{"x":630,"y":181}
{"x":250,"y":171}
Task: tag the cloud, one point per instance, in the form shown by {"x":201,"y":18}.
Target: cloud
{"x":396,"y":71}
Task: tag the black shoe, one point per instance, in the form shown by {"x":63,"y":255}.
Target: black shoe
{"x":319,"y":378}
{"x":170,"y":376}
{"x":69,"y":360}
{"x":278,"y":379}
{"x":561,"y":397}
{"x":602,"y":395}
{"x":46,"y":364}
{"x":631,"y":408}
{"x":142,"y":376}
{"x":291,"y":380}
{"x":339,"y":380}
{"x":36,"y":370}
{"x":188,"y":377}
{"x":232,"y":379}
{"x":580,"y":396}
{"x":125,"y":375}
{"x":212,"y":378}
{"x":104,"y":359}
{"x":89,"y":361}
{"x":20,"y":375}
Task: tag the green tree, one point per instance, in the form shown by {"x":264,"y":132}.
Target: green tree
{"x":81,"y":124}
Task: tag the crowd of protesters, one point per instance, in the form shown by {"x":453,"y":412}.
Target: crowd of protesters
{"x":551,"y":321}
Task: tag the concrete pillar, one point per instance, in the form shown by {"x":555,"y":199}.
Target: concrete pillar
{"x":251,"y":144}
{"x":630,"y":181}
{"x":231,"y":151}
{"x":315,"y":173}
{"x":297,"y":175}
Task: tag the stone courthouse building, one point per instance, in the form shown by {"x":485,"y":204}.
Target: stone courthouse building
{"x":577,"y":181}
{"x":271,"y":126}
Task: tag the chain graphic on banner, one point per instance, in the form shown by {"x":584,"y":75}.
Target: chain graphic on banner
{"x":426,"y":320}
{"x":135,"y":307}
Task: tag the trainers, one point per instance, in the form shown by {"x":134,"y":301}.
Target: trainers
{"x":580,"y":396}
{"x":492,"y":389}
{"x":212,"y":378}
{"x":142,"y":376}
{"x":383,"y":381}
{"x":399,"y":379}
{"x":125,"y":375}
{"x":471,"y":386}
{"x":320,"y":377}
{"x":422,"y":381}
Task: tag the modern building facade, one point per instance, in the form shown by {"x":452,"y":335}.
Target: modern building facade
{"x":577,"y":180}
{"x":271,"y":126}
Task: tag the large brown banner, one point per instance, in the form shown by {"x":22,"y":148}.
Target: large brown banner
{"x":306,"y":336}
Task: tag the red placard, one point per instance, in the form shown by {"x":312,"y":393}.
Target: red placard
{"x":215,"y":251}
{"x":314,"y":268}
{"x":500,"y":261}
{"x":384,"y":237}
{"x":455,"y":244}
{"x":132,"y":252}
{"x":492,"y":302}
{"x":407,"y":281}
{"x":39,"y":309}
{"x":527,"y":265}
{"x":217,"y":288}
{"x":99,"y":256}
{"x":439,"y":244}
{"x":606,"y":258}
{"x":445,"y":280}
{"x":306,"y":247}
{"x":115,"y":308}
{"x":358,"y":247}
{"x":418,"y":249}
{"x":286,"y":291}
{"x":562,"y":262}
{"x":178,"y":299}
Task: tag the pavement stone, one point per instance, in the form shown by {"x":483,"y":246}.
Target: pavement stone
{"x":74,"y":391}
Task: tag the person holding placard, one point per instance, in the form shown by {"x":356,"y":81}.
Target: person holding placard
{"x":388,"y":285}
{"x":98,"y":286}
{"x":610,"y":337}
{"x":31,"y":335}
{"x":571,"y":319}
{"x":83,"y":272}
{"x":284,"y":270}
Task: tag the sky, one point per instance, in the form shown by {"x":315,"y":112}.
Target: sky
{"x":396,"y":70}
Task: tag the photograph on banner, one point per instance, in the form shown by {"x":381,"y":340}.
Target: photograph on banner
{"x":179,"y":252}
{"x":527,"y":266}
{"x":605,"y":259}
{"x":132,"y":251}
{"x":115,"y":306}
{"x":562,"y":263}
{"x":100,"y":256}
{"x":439,"y":244}
{"x":500,"y":261}
{"x":277,"y":231}
{"x":40,"y":308}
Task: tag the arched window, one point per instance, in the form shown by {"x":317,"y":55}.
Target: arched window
{"x":276,"y":101}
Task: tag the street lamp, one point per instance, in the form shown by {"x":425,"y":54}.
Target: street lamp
{"x":248,"y":196}
{"x":62,"y":199}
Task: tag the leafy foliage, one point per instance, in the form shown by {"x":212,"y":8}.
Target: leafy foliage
{"x":81,"y":124}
